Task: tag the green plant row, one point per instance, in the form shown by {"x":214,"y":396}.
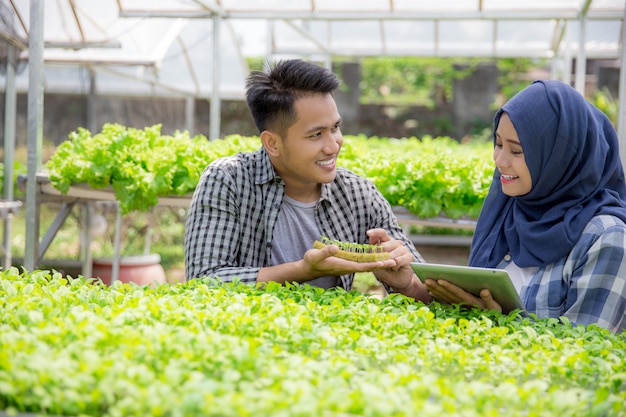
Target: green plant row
{"x":428,"y":176}
{"x":138,"y":164}
{"x":71,"y":347}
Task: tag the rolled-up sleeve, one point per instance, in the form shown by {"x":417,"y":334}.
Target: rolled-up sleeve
{"x":597,"y":291}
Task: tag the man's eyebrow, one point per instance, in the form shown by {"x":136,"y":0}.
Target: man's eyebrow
{"x":315,"y":129}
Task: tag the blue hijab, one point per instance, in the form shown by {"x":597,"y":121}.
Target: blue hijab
{"x":571,"y":150}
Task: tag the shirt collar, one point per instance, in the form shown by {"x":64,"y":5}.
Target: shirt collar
{"x":263,"y":169}
{"x":326,"y":192}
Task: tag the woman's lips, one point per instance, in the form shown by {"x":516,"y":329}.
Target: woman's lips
{"x":505,"y":179}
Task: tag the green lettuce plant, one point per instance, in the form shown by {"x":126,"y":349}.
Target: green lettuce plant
{"x":139,"y":165}
{"x":427,"y":176}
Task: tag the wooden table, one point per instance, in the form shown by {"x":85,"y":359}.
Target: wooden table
{"x":85,"y":197}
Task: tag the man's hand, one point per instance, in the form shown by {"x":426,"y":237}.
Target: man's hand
{"x":322,"y":262}
{"x":400,"y":276}
{"x":396,"y":248}
{"x":447,"y":292}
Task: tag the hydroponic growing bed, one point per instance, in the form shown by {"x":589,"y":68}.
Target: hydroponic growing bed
{"x":427,"y":176}
{"x":71,"y":347}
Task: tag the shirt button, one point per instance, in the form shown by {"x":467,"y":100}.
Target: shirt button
{"x":507,"y":257}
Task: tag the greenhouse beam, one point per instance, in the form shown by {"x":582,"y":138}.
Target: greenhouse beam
{"x":35,"y":129}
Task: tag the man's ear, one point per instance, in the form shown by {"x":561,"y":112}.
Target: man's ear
{"x":270,"y":142}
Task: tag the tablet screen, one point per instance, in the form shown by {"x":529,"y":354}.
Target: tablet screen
{"x":472,"y":280}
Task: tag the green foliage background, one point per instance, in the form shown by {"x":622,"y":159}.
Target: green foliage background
{"x":425,"y":80}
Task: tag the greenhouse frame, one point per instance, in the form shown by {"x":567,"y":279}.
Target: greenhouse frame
{"x":197,"y":48}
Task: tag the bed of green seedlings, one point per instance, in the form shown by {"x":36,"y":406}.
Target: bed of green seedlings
{"x":70,"y":347}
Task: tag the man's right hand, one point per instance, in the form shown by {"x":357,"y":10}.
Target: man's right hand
{"x":318,"y":263}
{"x":323,"y":262}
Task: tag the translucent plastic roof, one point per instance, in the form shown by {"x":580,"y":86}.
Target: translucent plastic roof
{"x":168,"y":47}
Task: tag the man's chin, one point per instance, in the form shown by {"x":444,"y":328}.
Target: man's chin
{"x":329,"y":177}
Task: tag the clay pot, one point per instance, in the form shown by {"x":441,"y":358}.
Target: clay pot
{"x":140,"y":269}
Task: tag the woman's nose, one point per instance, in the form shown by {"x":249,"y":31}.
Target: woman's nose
{"x":500,"y":159}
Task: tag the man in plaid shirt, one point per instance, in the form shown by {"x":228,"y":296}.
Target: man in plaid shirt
{"x":254,"y":216}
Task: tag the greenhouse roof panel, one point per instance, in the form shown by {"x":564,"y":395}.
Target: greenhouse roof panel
{"x":173,"y":40}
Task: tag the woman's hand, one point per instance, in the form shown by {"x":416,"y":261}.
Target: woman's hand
{"x":447,"y":292}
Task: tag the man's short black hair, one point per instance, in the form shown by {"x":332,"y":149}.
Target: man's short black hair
{"x":271,"y":94}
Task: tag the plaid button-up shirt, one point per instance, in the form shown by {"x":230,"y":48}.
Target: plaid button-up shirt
{"x":229,"y":227}
{"x":589,"y":285}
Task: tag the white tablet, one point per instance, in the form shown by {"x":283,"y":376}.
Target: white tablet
{"x":472,"y":280}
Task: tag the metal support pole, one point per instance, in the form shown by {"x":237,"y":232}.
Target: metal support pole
{"x":115,"y":267}
{"x":35,"y":130}
{"x":214,"y":126}
{"x":567,"y":59}
{"x":91,"y":103}
{"x":581,"y":57}
{"x":190,"y":113}
{"x":85,"y":239}
{"x":10,"y":100}
{"x":621,"y":116}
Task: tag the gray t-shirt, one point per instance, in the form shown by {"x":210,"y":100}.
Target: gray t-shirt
{"x":294,"y":234}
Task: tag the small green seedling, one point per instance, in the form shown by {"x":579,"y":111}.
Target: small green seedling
{"x":358,"y":252}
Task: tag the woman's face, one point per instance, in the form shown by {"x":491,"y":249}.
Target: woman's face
{"x":508,"y":156}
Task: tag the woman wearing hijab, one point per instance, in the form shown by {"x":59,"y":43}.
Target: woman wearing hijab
{"x":555,"y":214}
